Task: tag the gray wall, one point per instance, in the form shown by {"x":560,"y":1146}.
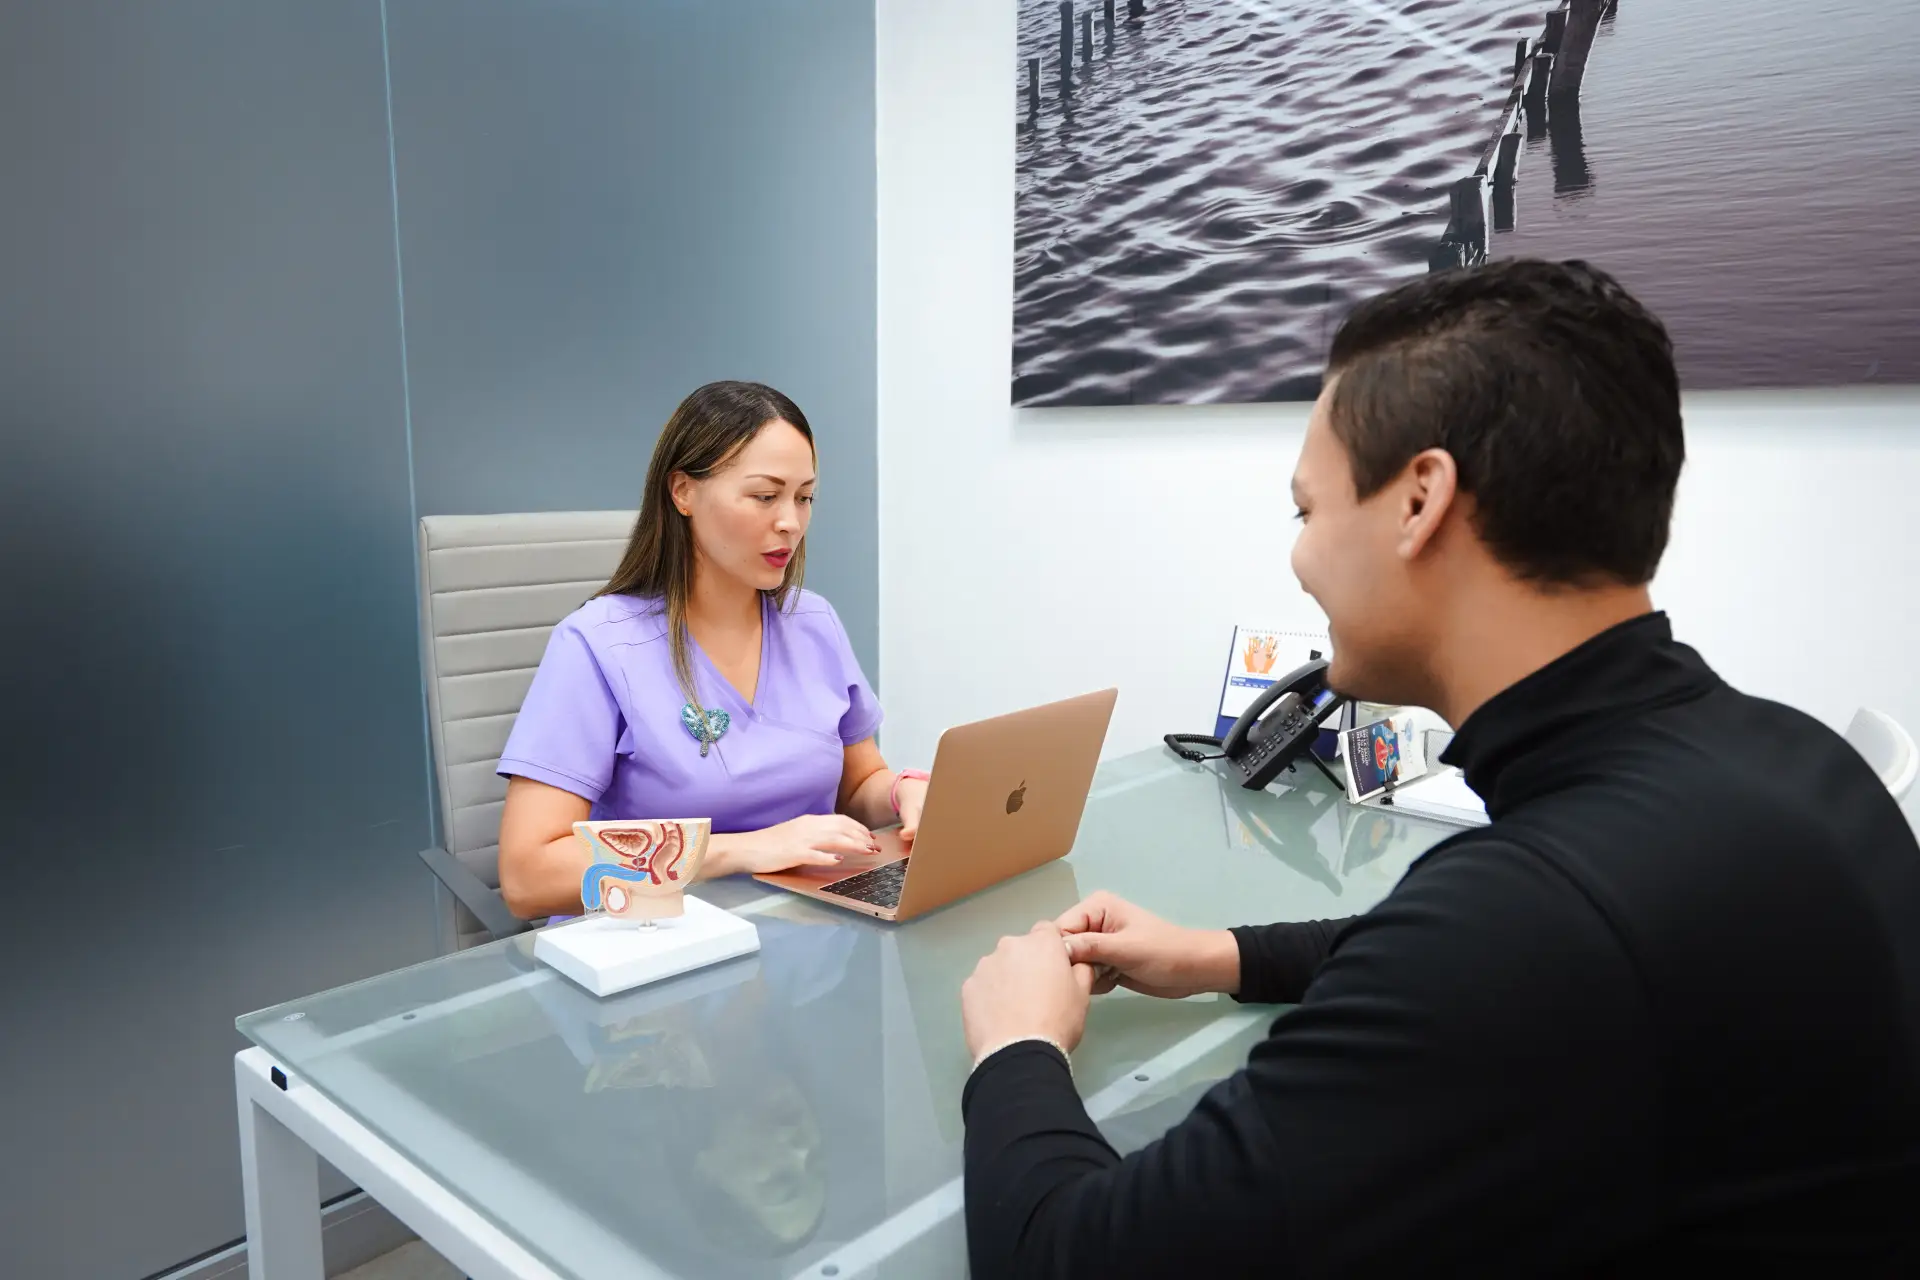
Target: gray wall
{"x":604,"y":205}
{"x":214,"y":782}
{"x":214,"y":778}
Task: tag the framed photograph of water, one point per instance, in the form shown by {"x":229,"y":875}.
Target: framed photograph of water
{"x":1204,"y":188}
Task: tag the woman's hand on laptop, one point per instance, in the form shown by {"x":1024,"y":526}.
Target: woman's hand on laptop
{"x":912,"y":793}
{"x":813,"y":840}
{"x":1135,"y":949}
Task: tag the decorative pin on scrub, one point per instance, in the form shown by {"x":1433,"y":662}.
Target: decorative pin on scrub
{"x":707,"y":727}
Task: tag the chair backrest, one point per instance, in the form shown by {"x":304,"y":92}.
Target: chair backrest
{"x":491,"y":590}
{"x":1887,"y":747}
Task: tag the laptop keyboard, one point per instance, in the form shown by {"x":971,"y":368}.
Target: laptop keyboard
{"x":879,"y":887}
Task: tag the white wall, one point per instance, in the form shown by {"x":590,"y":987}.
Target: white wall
{"x":1033,"y":554}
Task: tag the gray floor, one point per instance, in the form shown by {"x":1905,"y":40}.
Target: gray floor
{"x":409,"y":1262}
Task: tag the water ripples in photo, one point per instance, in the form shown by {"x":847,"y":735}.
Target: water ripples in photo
{"x":1228,"y":177}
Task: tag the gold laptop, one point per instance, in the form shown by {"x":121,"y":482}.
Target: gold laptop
{"x":1006,"y":797}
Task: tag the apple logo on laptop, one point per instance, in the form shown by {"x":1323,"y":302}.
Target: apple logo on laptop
{"x":1017,"y":797}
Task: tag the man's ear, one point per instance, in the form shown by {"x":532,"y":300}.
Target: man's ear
{"x":680,"y":488}
{"x":1428,"y":488}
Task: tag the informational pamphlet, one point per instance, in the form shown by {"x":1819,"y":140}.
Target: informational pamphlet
{"x":1381,"y":755}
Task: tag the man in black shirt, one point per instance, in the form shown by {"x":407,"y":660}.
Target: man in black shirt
{"x":1664,"y":1010}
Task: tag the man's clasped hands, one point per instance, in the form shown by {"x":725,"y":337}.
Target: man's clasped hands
{"x":1037,"y":985}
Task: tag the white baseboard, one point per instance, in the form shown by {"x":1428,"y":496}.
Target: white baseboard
{"x":354,"y":1230}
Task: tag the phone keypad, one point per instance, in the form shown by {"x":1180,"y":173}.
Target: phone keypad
{"x":1284,"y":730}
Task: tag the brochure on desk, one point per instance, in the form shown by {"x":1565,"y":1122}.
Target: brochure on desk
{"x":1380,"y":756}
{"x":1386,"y":764}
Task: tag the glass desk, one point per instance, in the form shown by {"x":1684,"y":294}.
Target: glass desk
{"x":797,"y":1112}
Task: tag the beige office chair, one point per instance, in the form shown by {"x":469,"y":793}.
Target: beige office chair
{"x":1887,"y":747}
{"x":491,"y":590}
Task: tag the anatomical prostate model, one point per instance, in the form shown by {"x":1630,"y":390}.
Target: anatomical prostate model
{"x":642,"y":867}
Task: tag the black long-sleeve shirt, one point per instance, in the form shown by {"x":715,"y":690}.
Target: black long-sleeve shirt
{"x":1664,"y":1010}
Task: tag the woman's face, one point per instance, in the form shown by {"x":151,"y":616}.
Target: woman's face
{"x":749,"y":516}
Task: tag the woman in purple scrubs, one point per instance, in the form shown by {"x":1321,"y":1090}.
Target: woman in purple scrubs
{"x":702,"y":682}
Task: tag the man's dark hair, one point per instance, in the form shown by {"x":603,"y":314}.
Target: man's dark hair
{"x":1553,"y":389}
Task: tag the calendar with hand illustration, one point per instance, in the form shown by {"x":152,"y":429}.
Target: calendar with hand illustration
{"x":1258,"y":657}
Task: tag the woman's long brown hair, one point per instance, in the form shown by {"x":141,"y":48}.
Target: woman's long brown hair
{"x":703,"y":435}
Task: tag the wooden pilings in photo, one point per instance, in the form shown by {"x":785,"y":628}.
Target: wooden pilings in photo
{"x":1066,"y":43}
{"x":1506,"y":158}
{"x":1465,"y":241}
{"x":1576,"y":42}
{"x":1545,"y":98}
{"x":1539,"y":73}
{"x":1503,"y":207}
{"x":1556,"y":29}
{"x":1468,"y":213}
{"x":1066,"y":49}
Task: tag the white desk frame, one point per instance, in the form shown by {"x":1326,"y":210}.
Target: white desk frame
{"x":285,"y":1130}
{"x":283,"y":1135}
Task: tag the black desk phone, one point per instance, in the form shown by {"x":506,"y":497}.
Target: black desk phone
{"x":1276,"y":730}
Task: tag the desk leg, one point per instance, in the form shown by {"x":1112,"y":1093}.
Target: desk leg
{"x":281,"y":1177}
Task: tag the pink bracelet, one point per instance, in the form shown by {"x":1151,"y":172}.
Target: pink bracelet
{"x":893,"y":796}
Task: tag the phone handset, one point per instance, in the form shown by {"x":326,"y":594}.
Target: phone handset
{"x":1281,"y":725}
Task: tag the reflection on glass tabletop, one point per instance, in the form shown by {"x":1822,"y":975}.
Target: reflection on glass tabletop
{"x":797,"y":1112}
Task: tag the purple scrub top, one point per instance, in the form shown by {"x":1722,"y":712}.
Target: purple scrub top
{"x":602,"y":719}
